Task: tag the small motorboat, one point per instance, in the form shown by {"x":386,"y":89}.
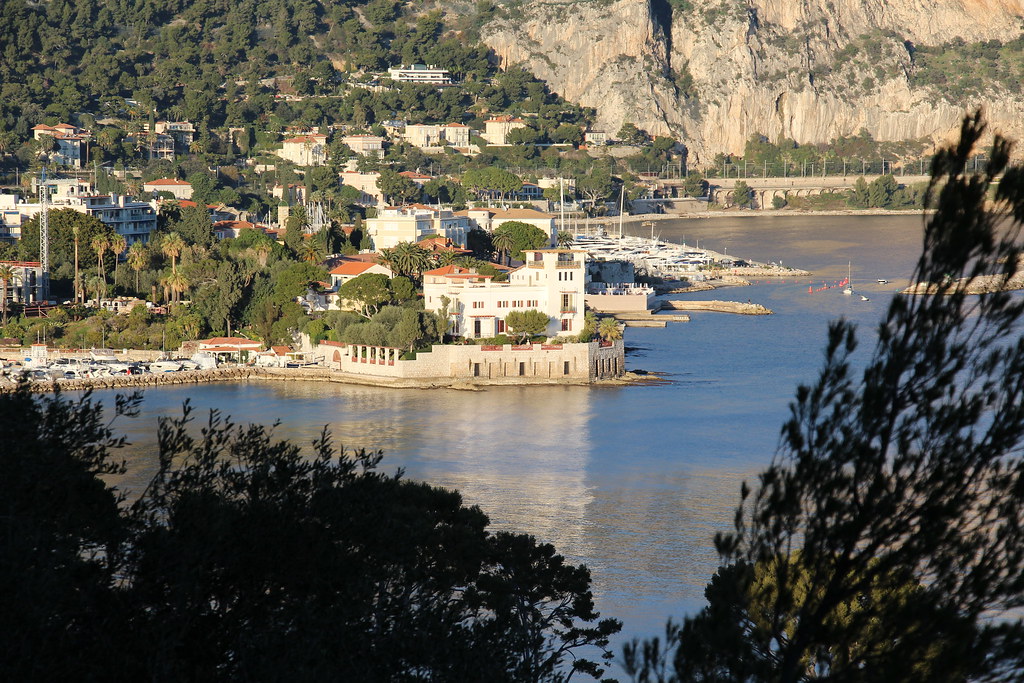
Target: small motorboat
{"x":882,"y":281}
{"x":864,"y":298}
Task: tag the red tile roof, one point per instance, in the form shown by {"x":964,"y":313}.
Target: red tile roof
{"x":167,"y":181}
{"x":352,"y":268}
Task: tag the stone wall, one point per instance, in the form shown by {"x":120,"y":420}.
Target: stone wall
{"x":508,"y":362}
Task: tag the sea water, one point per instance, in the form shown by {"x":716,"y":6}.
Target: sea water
{"x":633,"y":481}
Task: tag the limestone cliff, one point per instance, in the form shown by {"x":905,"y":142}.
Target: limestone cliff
{"x":714,"y":73}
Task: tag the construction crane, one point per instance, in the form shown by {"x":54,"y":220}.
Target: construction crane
{"x":44,"y":239}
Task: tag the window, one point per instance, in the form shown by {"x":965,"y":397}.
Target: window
{"x":567,"y":325}
{"x":522,"y":369}
{"x":501,"y":326}
{"x":565,"y":368}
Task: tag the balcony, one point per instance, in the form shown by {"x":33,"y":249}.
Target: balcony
{"x":567,"y":264}
{"x":567,"y":309}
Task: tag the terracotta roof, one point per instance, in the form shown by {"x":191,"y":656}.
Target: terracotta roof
{"x":167,"y":181}
{"x":413,"y":174}
{"x":439,"y":244}
{"x":303,"y":139}
{"x":280,"y":350}
{"x":443,"y":270}
{"x":455,"y":125}
{"x":352,"y":268}
{"x":234,"y":225}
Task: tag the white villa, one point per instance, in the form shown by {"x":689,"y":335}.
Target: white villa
{"x":423,"y":135}
{"x":496,"y":130}
{"x":181,"y":189}
{"x":426,"y":135}
{"x":349,"y":270}
{"x":305,"y":150}
{"x":366,"y":183}
{"x":369,"y":145}
{"x":456,"y":134}
{"x":70,"y":143}
{"x":396,"y":224}
{"x":551,"y":281}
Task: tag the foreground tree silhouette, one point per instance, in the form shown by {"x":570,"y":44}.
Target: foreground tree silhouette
{"x":246,"y":560}
{"x":891,"y":522}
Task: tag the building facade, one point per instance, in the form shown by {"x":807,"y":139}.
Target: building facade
{"x":369,"y":145}
{"x":551,"y":281}
{"x":181,"y":189}
{"x":396,"y":224}
{"x":27,"y":285}
{"x":420,"y":73}
{"x":305,"y":150}
{"x":70,"y":143}
{"x":496,"y":130}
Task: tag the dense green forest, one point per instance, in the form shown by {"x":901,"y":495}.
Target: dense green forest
{"x":222,"y":64}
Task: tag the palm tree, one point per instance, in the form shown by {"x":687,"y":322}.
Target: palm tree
{"x":444,"y":258}
{"x":7,"y":274}
{"x":172,"y":245}
{"x":608,"y":329}
{"x":100,"y":243}
{"x":117,"y":245}
{"x":310,"y":251}
{"x":409,"y":259}
{"x":136,"y":260}
{"x":177,"y":283}
{"x":385,"y":256}
{"x":503,"y":243}
{"x":564,"y":239}
{"x":98,"y":284}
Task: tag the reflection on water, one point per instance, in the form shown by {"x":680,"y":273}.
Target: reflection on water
{"x":633,"y":481}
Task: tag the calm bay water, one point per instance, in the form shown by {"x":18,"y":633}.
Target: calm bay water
{"x":633,"y":481}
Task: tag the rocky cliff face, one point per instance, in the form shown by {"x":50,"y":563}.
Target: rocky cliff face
{"x":716,"y":72}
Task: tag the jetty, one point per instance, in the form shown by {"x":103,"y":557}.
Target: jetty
{"x":718,"y":307}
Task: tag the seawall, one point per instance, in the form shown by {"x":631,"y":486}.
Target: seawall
{"x":248,"y":374}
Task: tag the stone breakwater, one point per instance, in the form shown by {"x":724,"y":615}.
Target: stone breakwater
{"x":246,"y":374}
{"x":718,"y":307}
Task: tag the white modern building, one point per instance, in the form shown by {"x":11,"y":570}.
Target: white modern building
{"x":551,"y":281}
{"x":133,"y":219}
{"x":420,"y":73}
{"x":396,"y":224}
